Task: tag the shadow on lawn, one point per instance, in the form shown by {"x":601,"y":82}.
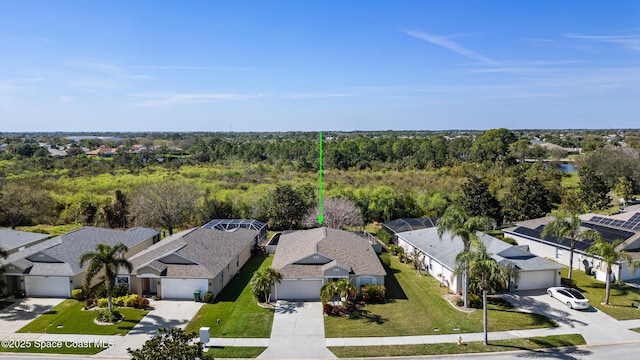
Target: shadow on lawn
{"x":394,"y":290}
{"x":367,"y":317}
{"x":235,"y":287}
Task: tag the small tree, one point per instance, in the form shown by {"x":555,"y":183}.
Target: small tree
{"x":569,"y":228}
{"x":337,"y":213}
{"x":624,"y":189}
{"x":263,"y":280}
{"x":607,"y":251}
{"x":418,"y":260}
{"x":172,"y":343}
{"x":106,"y":260}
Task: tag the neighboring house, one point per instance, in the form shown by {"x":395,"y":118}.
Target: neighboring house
{"x":231,"y":224}
{"x":13,"y":241}
{"x":51,"y":268}
{"x":197,"y":259}
{"x":103,"y":151}
{"x":309,"y":258}
{"x":396,"y":226}
{"x":439,"y":258}
{"x":624,"y":226}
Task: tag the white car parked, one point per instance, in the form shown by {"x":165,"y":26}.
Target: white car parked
{"x":571,"y":297}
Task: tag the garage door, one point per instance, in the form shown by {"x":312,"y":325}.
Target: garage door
{"x":183,"y":288}
{"x":299,"y":289}
{"x":47,"y":286}
{"x":536,"y":280}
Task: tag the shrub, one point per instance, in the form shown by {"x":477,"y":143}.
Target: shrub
{"x":105,"y":315}
{"x":89,"y":303}
{"x":475,"y":301}
{"x":18,"y":294}
{"x":459,"y":302}
{"x":102,"y":302}
{"x":141,"y":303}
{"x":373,"y":293}
{"x":402,"y":257}
{"x":121,"y":290}
{"x":77,"y":294}
{"x":327,"y":309}
{"x":98,"y":291}
{"x":208,"y":297}
{"x":385,"y":259}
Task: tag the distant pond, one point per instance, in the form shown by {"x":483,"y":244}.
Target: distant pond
{"x":566,"y":167}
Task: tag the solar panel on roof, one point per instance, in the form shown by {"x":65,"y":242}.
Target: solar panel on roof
{"x":609,"y":234}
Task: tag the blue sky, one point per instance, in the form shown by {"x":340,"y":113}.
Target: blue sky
{"x":318,"y":65}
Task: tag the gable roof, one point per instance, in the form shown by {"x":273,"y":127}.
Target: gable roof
{"x":208,"y":250}
{"x":408,"y":224}
{"x":345,"y":249}
{"x":446,"y":249}
{"x":68,"y":248}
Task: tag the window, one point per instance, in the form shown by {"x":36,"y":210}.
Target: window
{"x":558,"y":253}
{"x":316,"y":257}
{"x":122,"y":280}
{"x":336,"y":270}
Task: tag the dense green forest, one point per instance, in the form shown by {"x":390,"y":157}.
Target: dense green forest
{"x":186,"y":179}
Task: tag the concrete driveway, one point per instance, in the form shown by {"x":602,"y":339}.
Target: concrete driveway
{"x":22,"y":312}
{"x":297,"y":332}
{"x":165,"y":314}
{"x":595,"y":326}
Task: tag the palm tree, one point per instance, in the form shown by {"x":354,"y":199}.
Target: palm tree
{"x":456,"y":221}
{"x":607,"y":251}
{"x":342,"y":288}
{"x":263,"y":280}
{"x":490,"y":274}
{"x":417,"y":260}
{"x":107,"y":261}
{"x":569,"y":228}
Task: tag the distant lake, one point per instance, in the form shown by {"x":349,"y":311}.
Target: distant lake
{"x":566,"y":167}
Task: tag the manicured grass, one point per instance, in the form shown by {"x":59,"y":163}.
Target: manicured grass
{"x":531,"y":344}
{"x":417,"y":307}
{"x":234,"y":352}
{"x":636,"y":330}
{"x":35,"y":348}
{"x":570,"y":180}
{"x":623,"y":300}
{"x":237,"y":308}
{"x":69,"y":318}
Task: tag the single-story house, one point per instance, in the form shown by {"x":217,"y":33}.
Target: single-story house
{"x":623,"y":226}
{"x":13,"y":241}
{"x":231,"y":224}
{"x":51,"y":268}
{"x":197,"y":259}
{"x":439,"y":257}
{"x":309,"y":258}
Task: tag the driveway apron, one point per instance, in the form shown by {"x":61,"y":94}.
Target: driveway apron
{"x":165,"y":314}
{"x":22,"y":312}
{"x":596,"y":327}
{"x":297,"y":332}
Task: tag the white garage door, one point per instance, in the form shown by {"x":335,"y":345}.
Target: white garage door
{"x":183,"y":288}
{"x":298,"y":289}
{"x":47,"y":286}
{"x":535,"y":280}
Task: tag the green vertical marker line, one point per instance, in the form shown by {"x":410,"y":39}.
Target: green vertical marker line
{"x":320,"y":217}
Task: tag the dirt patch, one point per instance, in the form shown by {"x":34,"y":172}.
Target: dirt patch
{"x":452,"y":298}
{"x":269,"y":305}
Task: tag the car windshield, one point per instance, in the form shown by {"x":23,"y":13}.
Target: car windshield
{"x":576,"y":294}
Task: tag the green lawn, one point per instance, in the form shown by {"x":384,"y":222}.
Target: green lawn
{"x":531,"y":344}
{"x":417,"y":307}
{"x":69,"y":318}
{"x":623,"y":301}
{"x":234,"y":352}
{"x":636,"y":330}
{"x":238,"y":311}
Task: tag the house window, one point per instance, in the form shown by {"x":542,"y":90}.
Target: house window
{"x":558,"y":253}
{"x":122,"y":280}
{"x":336,"y":270}
{"x":316,"y":257}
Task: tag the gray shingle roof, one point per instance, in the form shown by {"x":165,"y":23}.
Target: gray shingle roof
{"x":346,"y":249}
{"x":69,"y":247}
{"x":445,"y":250}
{"x":13,"y":240}
{"x":210,"y":249}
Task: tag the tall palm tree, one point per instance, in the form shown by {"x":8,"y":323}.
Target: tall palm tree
{"x":456,"y":221}
{"x":490,"y":274}
{"x":607,"y":251}
{"x":106,"y":261}
{"x":263,"y":280}
{"x":569,"y":228}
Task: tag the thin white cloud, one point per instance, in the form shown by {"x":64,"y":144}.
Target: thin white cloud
{"x":450,"y":45}
{"x":169,"y":99}
{"x":629,"y":42}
